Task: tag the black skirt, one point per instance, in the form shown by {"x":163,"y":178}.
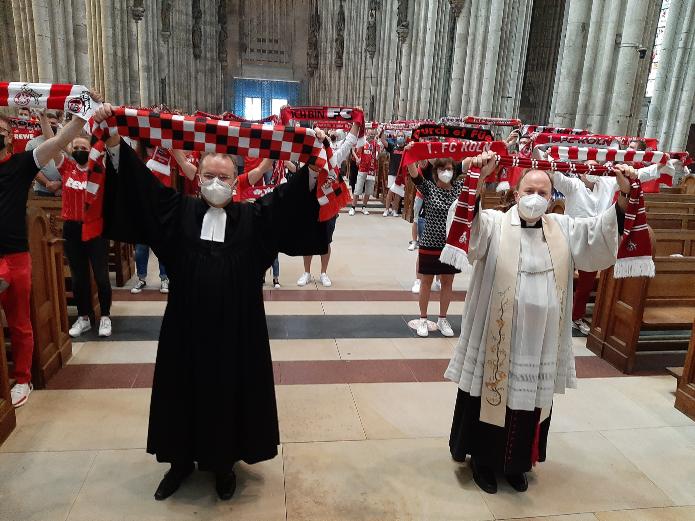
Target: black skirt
{"x":429,"y":263}
{"x":511,"y":449}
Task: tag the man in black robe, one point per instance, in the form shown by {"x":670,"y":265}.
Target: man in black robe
{"x":213,"y":396}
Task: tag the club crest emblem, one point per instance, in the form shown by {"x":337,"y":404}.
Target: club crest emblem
{"x":80,"y":104}
{"x":631,"y":246}
{"x":464,"y":238}
{"x":26,"y":95}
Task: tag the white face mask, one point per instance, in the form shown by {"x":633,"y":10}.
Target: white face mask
{"x":532,"y":206}
{"x":216,"y":192}
{"x":445,"y":176}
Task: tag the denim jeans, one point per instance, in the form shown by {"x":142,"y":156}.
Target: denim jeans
{"x":276,"y":268}
{"x":142,"y":256}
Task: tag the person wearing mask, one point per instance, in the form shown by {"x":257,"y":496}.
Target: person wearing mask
{"x":17,"y":172}
{"x":515,"y":349}
{"x":438,"y":193}
{"x":213,"y":396}
{"x":83,"y":254}
{"x":367,"y":172}
{"x":48,"y":182}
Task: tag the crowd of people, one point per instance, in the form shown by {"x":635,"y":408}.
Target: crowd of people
{"x":214,"y":254}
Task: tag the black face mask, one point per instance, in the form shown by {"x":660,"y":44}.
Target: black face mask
{"x":81,"y":156}
{"x":54,"y":129}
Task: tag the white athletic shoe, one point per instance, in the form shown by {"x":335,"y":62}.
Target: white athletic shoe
{"x":105,"y":327}
{"x":304,"y":279}
{"x":326,"y":281}
{"x":20,"y":394}
{"x":351,"y":211}
{"x":445,"y":327}
{"x":436,"y":285}
{"x":416,"y":286}
{"x":412,"y":245}
{"x":422,"y":328}
{"x":582,"y":326}
{"x":80,"y":326}
{"x":365,"y":211}
{"x":139,"y":286}
{"x":386,"y":213}
{"x":164,"y":286}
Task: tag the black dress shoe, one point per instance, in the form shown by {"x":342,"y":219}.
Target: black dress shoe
{"x":518,"y":481}
{"x":225,"y":484}
{"x":484,"y":477}
{"x":172,"y":481}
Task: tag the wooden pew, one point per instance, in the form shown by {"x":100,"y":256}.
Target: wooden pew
{"x":674,"y":232}
{"x":8,"y":420}
{"x":409,"y":200}
{"x":685,"y":394}
{"x":636,"y":321}
{"x":49,"y":315}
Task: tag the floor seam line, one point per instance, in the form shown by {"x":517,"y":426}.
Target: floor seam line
{"x":89,"y":470}
{"x":359,"y":416}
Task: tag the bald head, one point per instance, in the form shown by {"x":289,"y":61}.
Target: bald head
{"x":535,"y":182}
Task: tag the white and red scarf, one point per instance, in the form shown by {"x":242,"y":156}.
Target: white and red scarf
{"x":172,"y":131}
{"x":500,"y":122}
{"x":160,"y":165}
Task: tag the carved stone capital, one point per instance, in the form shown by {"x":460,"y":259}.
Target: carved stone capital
{"x":137,"y":11}
{"x":456,"y":7}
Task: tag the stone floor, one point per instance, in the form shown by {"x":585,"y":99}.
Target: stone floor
{"x":364,"y":418}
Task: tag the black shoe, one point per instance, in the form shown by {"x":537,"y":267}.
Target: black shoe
{"x":172,"y":481}
{"x":518,"y":481}
{"x":484,"y":477}
{"x":225,"y":484}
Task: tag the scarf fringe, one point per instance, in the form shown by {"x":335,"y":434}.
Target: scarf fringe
{"x":634,"y":267}
{"x":454,"y":256}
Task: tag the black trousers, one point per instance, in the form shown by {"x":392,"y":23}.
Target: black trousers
{"x":81,"y":254}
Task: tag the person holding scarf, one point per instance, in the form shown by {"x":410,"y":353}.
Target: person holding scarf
{"x":515,"y":348}
{"x":213,"y":395}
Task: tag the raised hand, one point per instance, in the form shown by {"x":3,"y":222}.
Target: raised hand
{"x":624,"y":175}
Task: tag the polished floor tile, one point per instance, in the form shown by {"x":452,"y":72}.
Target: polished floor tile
{"x":317,"y":413}
{"x":135,"y":308}
{"x":41,"y":486}
{"x":405,"y":410}
{"x":350,"y":481}
{"x":661,"y":454}
{"x":579,"y":347}
{"x":316,"y":349}
{"x":121,"y":483}
{"x":116,"y":352}
{"x":367,"y":349}
{"x":617,"y":403}
{"x":81,"y":420}
{"x":568,"y":517}
{"x":294,"y":308}
{"x":650,"y":514}
{"x":584,"y":472}
{"x":387,"y":308}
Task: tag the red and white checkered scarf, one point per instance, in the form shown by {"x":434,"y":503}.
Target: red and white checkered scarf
{"x":172,"y":131}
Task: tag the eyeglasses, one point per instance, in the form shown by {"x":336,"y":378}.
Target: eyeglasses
{"x":224,"y":178}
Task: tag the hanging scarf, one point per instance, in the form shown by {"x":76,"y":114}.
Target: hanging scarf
{"x":430,"y":130}
{"x":160,"y":165}
{"x":634,"y":244}
{"x":601,"y":155}
{"x":530,"y":129}
{"x":177,"y":132}
{"x":500,"y":122}
{"x":326,"y":116}
{"x":228,"y":116}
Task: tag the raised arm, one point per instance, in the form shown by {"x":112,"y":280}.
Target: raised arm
{"x":187,"y":168}
{"x":412,"y":167}
{"x":256,"y":174}
{"x":52,"y":148}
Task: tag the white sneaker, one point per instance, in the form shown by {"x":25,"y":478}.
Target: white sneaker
{"x":412,"y":245}
{"x":139,"y":286}
{"x":422,"y":328}
{"x":582,"y":326}
{"x":326,"y":281}
{"x":80,"y":326}
{"x":105,"y":327}
{"x":20,"y":394}
{"x":304,"y":279}
{"x":365,"y":211}
{"x":164,"y":287}
{"x":416,"y":286}
{"x":351,"y":211}
{"x":391,"y":212}
{"x":445,"y":327}
{"x":386,"y":213}
{"x":436,"y":285}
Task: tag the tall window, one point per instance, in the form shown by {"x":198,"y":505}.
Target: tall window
{"x":252,"y":108}
{"x":276,"y":104}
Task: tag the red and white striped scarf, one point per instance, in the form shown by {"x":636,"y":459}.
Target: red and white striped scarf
{"x":172,"y":131}
{"x":500,"y":122}
{"x":74,"y":99}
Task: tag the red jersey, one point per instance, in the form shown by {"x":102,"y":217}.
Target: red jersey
{"x":74,"y":186}
{"x":251,"y":162}
{"x":368,"y":157}
{"x":246,"y":192}
{"x":191,"y":187}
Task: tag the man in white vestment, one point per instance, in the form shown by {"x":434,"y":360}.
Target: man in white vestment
{"x":515,"y":348}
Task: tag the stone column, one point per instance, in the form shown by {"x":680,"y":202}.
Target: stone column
{"x":663,"y":74}
{"x":494,"y":34}
{"x":42,"y":32}
{"x":626,"y":71}
{"x":408,"y":80}
{"x":684,"y":113}
{"x":19,"y":40}
{"x":144,"y":68}
{"x":425,"y":91}
{"x":70,"y":41}
{"x":567,"y":93}
{"x":59,"y":47}
{"x":463,"y":24}
{"x":475,"y":6}
{"x":479,"y":58}
{"x":588,"y":73}
{"x":402,"y":56}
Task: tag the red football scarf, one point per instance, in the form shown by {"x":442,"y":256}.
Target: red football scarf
{"x":530,"y":129}
{"x":228,"y":116}
{"x":500,"y":122}
{"x":74,"y":99}
{"x":634,"y":254}
{"x":160,"y":165}
{"x":172,"y":131}
{"x":326,"y":116}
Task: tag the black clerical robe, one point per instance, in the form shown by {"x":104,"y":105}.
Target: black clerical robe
{"x":213,"y":397}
